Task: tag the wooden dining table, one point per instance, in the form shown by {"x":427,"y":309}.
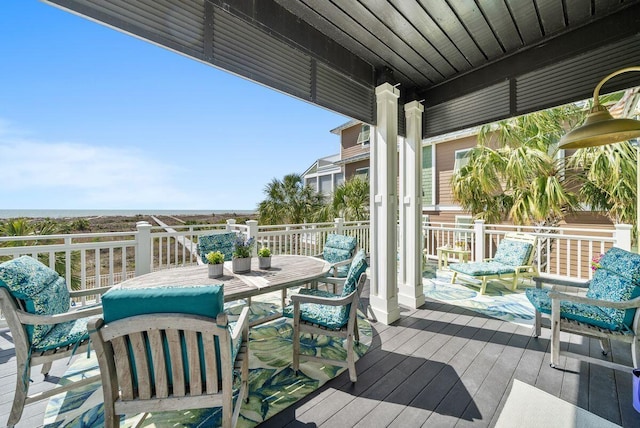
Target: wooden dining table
{"x":285,"y":272}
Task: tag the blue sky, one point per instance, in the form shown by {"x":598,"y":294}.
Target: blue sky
{"x":91,"y":118}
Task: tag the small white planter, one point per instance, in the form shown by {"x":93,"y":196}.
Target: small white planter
{"x":241,"y":265}
{"x":215,"y":270}
{"x":264,"y":262}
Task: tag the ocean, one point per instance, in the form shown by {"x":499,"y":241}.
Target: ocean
{"x":43,"y":213}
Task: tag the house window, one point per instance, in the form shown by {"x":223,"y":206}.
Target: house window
{"x":311,"y":182}
{"x":362,"y":173}
{"x":325,"y":184}
{"x":338,"y":179}
{"x":462,"y":159}
{"x":363,"y":137}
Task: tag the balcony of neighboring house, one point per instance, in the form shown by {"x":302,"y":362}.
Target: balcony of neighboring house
{"x":324,"y":175}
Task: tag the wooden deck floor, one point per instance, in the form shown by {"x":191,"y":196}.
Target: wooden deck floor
{"x":440,"y":366}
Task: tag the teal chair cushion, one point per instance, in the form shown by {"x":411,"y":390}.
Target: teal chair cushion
{"x":513,"y":253}
{"x":64,"y":334}
{"x":331,"y":317}
{"x":42,"y":290}
{"x":358,"y":267}
{"x":482,"y":268}
{"x":223,"y":242}
{"x":617,"y":280}
{"x":338,"y":248}
{"x":589,"y":314}
{"x":342,"y":242}
{"x":206,"y":301}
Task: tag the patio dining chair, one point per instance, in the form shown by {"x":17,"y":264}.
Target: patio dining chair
{"x":608,"y":311}
{"x":513,"y":260}
{"x":223,"y":242}
{"x":338,"y":250}
{"x":170,"y":348}
{"x":36,"y":304}
{"x":324,"y":313}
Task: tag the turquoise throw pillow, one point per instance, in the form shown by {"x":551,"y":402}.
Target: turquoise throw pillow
{"x":42,"y":290}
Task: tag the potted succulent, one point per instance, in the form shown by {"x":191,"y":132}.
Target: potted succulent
{"x":215,"y":260}
{"x":242,"y":255}
{"x":264,"y":258}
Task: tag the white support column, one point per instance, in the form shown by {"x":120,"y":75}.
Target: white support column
{"x":384,"y":218}
{"x":410,"y":264}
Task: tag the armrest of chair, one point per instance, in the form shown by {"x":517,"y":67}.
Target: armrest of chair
{"x":33,"y":319}
{"x":89,"y":292}
{"x":629,"y":304}
{"x":242,"y":326}
{"x":539,"y":280}
{"x":329,"y":301}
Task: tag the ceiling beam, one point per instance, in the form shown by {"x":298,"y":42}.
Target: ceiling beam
{"x":620,"y":25}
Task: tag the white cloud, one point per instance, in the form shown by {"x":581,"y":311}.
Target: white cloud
{"x":39,"y":174}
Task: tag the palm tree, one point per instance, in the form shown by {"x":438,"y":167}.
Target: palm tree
{"x":515,"y":172}
{"x":289,"y":202}
{"x":24,"y":227}
{"x":606,"y":177}
{"x":351,"y":200}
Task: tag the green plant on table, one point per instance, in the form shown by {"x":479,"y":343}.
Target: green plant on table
{"x":264,"y":252}
{"x":242,"y":248}
{"x":215,"y":257}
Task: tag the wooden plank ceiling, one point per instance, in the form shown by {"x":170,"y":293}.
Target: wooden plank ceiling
{"x":471,"y":61}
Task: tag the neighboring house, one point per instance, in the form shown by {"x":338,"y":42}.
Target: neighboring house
{"x":354,"y":148}
{"x":324,"y":175}
{"x":441,"y":157}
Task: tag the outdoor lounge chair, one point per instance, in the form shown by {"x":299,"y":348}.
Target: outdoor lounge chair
{"x":170,"y":348}
{"x":607,"y":311}
{"x":338,"y":250}
{"x":321,"y":312}
{"x":513,"y":259}
{"x":223,"y":242}
{"x":36,"y":304}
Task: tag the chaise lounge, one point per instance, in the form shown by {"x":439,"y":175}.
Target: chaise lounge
{"x":513,"y":259}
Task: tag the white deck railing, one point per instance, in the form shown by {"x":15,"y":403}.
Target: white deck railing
{"x":560,"y":251}
{"x":108,"y":258}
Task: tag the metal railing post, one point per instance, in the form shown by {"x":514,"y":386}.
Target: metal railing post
{"x":143,"y":248}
